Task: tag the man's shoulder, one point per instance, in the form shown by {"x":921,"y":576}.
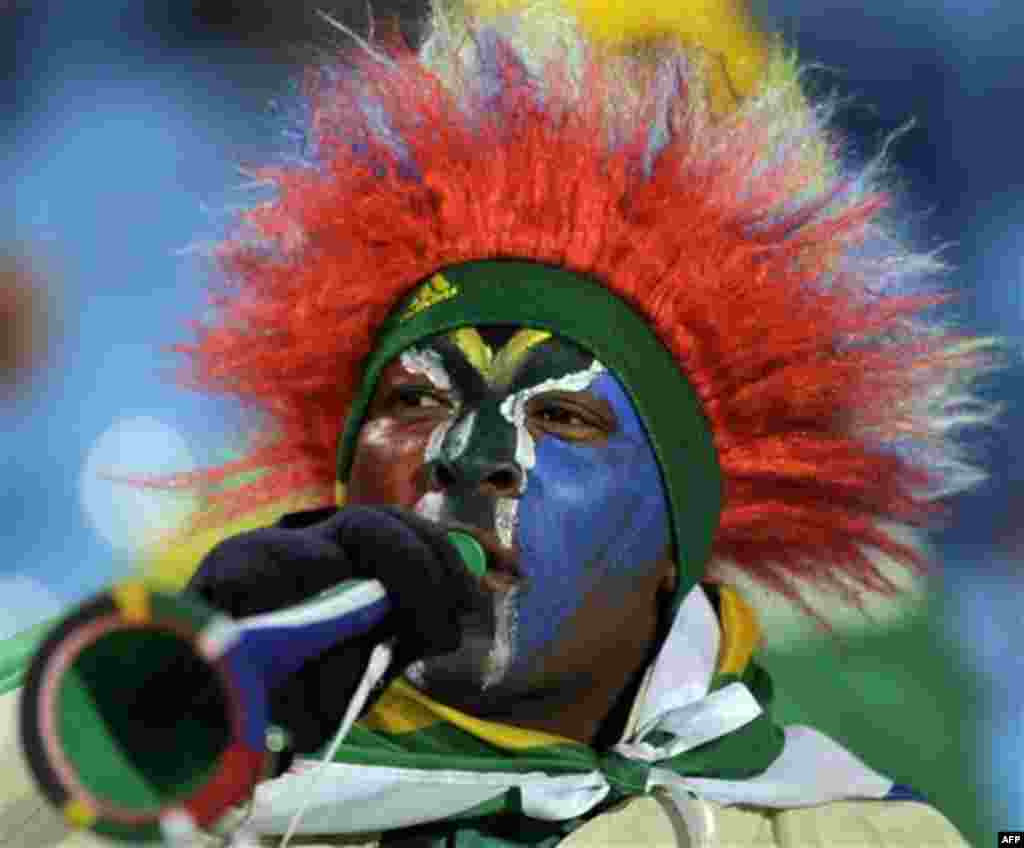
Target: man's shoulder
{"x":861,"y":823}
{"x":867,"y":823}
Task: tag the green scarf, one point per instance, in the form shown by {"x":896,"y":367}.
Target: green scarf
{"x":501,"y":821}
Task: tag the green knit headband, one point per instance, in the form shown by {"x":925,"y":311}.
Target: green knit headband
{"x":583,"y":311}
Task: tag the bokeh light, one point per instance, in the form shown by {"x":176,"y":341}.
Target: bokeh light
{"x":27,"y":307}
{"x":129,"y":516}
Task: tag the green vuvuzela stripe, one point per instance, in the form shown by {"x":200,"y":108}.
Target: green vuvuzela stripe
{"x":445,"y":747}
{"x":16,"y":653}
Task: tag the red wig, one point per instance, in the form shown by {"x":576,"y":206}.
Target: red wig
{"x":766,"y":271}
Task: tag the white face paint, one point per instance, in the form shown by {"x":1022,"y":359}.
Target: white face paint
{"x":429,"y":506}
{"x":514,"y":408}
{"x":436,"y":440}
{"x":506,"y":519}
{"x":427,"y":362}
{"x":506,"y":620}
{"x":460,"y":435}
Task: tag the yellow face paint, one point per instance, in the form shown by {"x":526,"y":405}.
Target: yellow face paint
{"x":475,"y":349}
{"x":496,"y":369}
{"x":509,"y":357}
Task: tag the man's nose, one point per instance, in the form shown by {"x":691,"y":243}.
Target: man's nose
{"x":497,"y":479}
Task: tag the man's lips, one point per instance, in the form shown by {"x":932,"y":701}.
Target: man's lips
{"x":502,"y":563}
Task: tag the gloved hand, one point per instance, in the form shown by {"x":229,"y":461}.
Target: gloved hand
{"x":305,"y":553}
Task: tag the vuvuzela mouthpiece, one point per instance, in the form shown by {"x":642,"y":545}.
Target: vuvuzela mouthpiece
{"x":470,"y":550}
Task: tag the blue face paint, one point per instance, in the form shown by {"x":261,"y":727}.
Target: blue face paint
{"x":592,"y":516}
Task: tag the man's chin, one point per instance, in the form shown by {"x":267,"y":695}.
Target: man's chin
{"x":466,"y":674}
{"x":481,"y":662}
{"x":457,"y":683}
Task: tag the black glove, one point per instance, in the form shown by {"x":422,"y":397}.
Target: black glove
{"x":305,"y":553}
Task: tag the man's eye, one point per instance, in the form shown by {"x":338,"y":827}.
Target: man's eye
{"x":419,"y":399}
{"x":426,"y":400}
{"x":561,"y":416}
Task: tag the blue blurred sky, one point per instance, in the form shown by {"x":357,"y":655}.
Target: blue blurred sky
{"x":122,"y":157}
{"x":122,"y":147}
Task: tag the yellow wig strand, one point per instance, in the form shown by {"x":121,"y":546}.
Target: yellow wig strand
{"x":735,"y":52}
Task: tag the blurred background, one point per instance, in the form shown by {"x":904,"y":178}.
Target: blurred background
{"x":124,"y":126}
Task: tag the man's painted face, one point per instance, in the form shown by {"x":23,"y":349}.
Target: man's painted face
{"x":536,"y":447}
